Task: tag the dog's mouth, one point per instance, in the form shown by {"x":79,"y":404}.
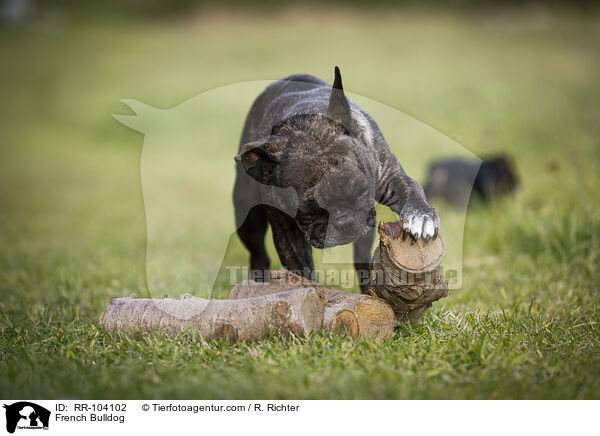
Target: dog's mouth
{"x":320,"y":237}
{"x":316,"y":236}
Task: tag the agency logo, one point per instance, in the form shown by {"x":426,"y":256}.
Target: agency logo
{"x":26,"y":415}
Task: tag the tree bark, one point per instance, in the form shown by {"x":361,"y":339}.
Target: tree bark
{"x":405,"y":273}
{"x":358,"y":316}
{"x":299,"y":311}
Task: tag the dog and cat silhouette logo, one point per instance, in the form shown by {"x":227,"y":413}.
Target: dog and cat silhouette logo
{"x":26,"y":415}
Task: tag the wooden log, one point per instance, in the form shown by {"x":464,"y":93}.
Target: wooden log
{"x":299,"y":311}
{"x":405,"y":273}
{"x":358,"y":316}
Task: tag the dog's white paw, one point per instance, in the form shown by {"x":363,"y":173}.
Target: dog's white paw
{"x":420,"y":222}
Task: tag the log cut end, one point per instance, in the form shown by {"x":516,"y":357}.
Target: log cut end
{"x":408,"y":255}
{"x":375,"y":321}
{"x":341,"y":322}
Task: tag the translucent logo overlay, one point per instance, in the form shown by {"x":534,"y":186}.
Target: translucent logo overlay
{"x":188,"y":171}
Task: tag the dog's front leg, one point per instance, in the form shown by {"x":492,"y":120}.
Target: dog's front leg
{"x":293,"y":250}
{"x":406,"y":197}
{"x":362,"y":258}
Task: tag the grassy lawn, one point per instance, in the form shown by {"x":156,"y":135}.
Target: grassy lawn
{"x":525,"y":323}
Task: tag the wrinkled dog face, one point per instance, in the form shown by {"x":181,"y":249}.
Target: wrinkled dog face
{"x":319,"y":159}
{"x":345,"y":202}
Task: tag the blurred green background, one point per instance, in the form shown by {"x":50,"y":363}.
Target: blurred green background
{"x":521,"y":79}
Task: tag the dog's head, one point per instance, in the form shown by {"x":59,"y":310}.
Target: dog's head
{"x":322,"y":158}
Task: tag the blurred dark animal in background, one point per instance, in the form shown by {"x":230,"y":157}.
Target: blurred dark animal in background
{"x":453,"y":179}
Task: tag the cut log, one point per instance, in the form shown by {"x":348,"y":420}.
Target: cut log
{"x":404,"y":281}
{"x":405,"y":273}
{"x":299,"y":311}
{"x":358,"y":316}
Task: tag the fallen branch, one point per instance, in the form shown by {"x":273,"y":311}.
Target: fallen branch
{"x":299,"y":311}
{"x":359,"y":316}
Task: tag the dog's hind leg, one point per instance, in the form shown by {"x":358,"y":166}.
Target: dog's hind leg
{"x":293,"y":250}
{"x":362,"y":258}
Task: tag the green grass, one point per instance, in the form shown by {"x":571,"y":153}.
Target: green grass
{"x":525,"y":323}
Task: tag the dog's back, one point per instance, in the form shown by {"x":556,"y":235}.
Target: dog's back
{"x":274,"y":102}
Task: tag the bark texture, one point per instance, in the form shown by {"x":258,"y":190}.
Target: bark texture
{"x":299,"y":311}
{"x":358,"y":316}
{"x":405,"y":273}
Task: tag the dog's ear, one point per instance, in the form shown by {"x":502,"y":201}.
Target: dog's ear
{"x":339,"y":107}
{"x":259,"y":158}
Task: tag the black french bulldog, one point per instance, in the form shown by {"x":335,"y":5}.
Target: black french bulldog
{"x":456,"y":180}
{"x":312,"y":164}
